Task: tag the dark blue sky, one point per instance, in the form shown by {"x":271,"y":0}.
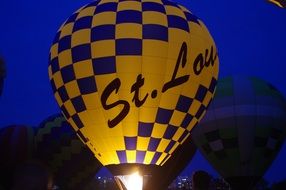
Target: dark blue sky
{"x":250,"y":37}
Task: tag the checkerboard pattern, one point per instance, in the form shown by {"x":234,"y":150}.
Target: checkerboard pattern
{"x":244,"y":127}
{"x":57,"y":145}
{"x":122,"y":39}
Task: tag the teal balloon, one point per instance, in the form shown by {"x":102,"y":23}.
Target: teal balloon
{"x":243,"y":129}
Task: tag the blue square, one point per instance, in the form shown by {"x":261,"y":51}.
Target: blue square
{"x":103,"y":32}
{"x":212,"y":85}
{"x":201,"y":93}
{"x":106,"y":7}
{"x":129,"y":47}
{"x":184,"y":104}
{"x":121,"y":154}
{"x":200,"y":111}
{"x":78,"y":104}
{"x":92,"y":4}
{"x":170,"y":146}
{"x":81,"y":136}
{"x":191,"y":18}
{"x":178,"y":22}
{"x":140,"y":156}
{"x":163,"y":116}
{"x":188,"y":118}
{"x":170,"y":132}
{"x":129,"y":16}
{"x":183,"y":136}
{"x":153,"y":144}
{"x":81,"y":53}
{"x":64,"y":43}
{"x":87,"y":85}
{"x":145,"y":129}
{"x":72,"y":18}
{"x":170,"y":3}
{"x":156,"y":157}
{"x":55,"y":65}
{"x":63,"y":93}
{"x":54,"y":88}
{"x":77,"y":121}
{"x":130,"y":143}
{"x":83,"y":23}
{"x":68,"y":73}
{"x":104,"y":65}
{"x":156,"y":32}
{"x":151,"y":6}
{"x":65,"y":111}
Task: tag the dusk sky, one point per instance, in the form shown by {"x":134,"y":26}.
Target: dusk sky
{"x":250,"y":38}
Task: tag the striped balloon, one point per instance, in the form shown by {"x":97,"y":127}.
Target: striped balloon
{"x":243,"y":129}
{"x":57,"y":145}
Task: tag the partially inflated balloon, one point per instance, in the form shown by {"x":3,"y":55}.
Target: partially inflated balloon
{"x":16,"y":147}
{"x":133,"y":77}
{"x":243,"y":129}
{"x":71,"y":162}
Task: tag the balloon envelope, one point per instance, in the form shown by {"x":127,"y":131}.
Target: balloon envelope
{"x":16,"y":145}
{"x":243,"y":129}
{"x":58,"y":146}
{"x":133,"y":78}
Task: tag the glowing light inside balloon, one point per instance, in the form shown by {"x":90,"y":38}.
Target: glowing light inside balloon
{"x":131,"y":182}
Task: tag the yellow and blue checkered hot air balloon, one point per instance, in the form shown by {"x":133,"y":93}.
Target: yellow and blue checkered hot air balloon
{"x":133,"y":77}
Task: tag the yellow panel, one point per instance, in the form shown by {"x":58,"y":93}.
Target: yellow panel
{"x":128,"y":30}
{"x":72,"y":89}
{"x":179,"y":36}
{"x":103,"y":80}
{"x":128,"y":64}
{"x":85,"y":119}
{"x":89,"y":11}
{"x":119,"y":143}
{"x":80,"y":37}
{"x":54,"y":51}
{"x":178,"y":134}
{"x":177,"y":118}
{"x":92,"y":101}
{"x":184,"y":8}
{"x":161,"y":158}
{"x":194,"y":107}
{"x":69,"y":107}
{"x":58,"y":80}
{"x":154,"y":65}
{"x":50,"y":72}
{"x":132,"y":117}
{"x":158,"y":130}
{"x":147,"y":114}
{"x":97,"y":117}
{"x":83,"y":69}
{"x":192,"y":124}
{"x":169,"y":100}
{"x":127,"y":80}
{"x":174,"y":147}
{"x":190,"y":89}
{"x":129,"y":5}
{"x":131,"y":156}
{"x":163,"y":145}
{"x":104,"y":18}
{"x":155,"y":48}
{"x":65,"y":58}
{"x":151,"y":17}
{"x":130,"y":129}
{"x":142,"y":143}
{"x":148,"y":157}
{"x":66,"y":30}
{"x":173,"y":51}
{"x":98,"y":51}
{"x":171,"y":10}
{"x":71,"y":122}
{"x":207,"y":98}
{"x":58,"y":98}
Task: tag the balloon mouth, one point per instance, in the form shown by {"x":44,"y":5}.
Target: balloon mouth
{"x":133,"y":181}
